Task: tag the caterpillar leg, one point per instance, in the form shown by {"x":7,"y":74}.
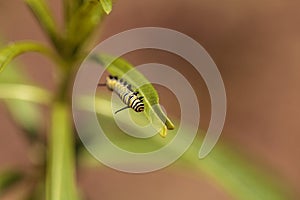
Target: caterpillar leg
{"x":122,"y":109}
{"x":102,"y":84}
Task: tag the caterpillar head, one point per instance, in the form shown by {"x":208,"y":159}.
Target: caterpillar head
{"x":111,"y":81}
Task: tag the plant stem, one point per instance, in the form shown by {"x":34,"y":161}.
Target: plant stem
{"x":60,"y":181}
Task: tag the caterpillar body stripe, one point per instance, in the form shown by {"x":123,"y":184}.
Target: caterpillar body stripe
{"x":125,"y":92}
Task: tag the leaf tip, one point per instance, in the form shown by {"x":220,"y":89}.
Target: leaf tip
{"x":107,"y":6}
{"x":163,"y":132}
{"x":107,"y":11}
{"x":170,"y":125}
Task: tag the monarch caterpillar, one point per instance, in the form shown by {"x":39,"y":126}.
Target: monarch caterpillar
{"x":125,"y":92}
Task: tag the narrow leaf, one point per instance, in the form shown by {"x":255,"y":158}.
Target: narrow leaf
{"x":106,"y":5}
{"x":8,"y":179}
{"x":44,"y":16}
{"x":24,"y":111}
{"x":226,"y":166}
{"x":15,"y":49}
{"x":25,"y":93}
{"x":119,"y":67}
{"x":60,"y":181}
{"x":241,"y":178}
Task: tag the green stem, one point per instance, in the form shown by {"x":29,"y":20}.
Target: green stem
{"x":67,"y":10}
{"x":60,"y":183}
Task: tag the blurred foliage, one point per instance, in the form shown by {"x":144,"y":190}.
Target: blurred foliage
{"x":21,"y":98}
{"x":9,"y":178}
{"x":224,"y":165}
{"x":82,"y":17}
{"x":9,"y":52}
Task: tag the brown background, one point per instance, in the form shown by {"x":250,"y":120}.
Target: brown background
{"x":254,"y":43}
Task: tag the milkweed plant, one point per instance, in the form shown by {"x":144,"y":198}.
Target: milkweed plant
{"x":56,"y":159}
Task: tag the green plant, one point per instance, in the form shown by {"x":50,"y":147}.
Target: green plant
{"x":81,"y":18}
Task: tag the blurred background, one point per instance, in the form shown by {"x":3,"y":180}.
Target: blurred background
{"x":255,"y":45}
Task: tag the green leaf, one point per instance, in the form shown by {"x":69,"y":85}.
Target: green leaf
{"x":13,"y":50}
{"x":60,"y":181}
{"x":25,"y":93}
{"x":44,"y":16}
{"x":21,"y":100}
{"x":8,"y":179}
{"x":226,"y":166}
{"x":241,"y":178}
{"x":119,"y":67}
{"x":106,"y":5}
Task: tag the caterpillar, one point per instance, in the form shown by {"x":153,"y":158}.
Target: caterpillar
{"x":125,"y":92}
